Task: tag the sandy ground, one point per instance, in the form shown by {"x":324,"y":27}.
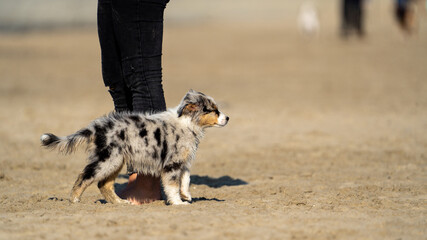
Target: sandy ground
{"x":327,"y":138}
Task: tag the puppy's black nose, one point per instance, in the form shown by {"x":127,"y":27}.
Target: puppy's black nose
{"x":227,"y":118}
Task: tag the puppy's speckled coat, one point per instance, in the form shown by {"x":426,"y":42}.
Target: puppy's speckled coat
{"x":162,"y":144}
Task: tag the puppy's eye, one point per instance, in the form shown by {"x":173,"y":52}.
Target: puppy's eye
{"x":205,"y":109}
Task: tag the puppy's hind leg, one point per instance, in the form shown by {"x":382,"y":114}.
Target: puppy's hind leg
{"x":84,"y":179}
{"x":106,"y":187}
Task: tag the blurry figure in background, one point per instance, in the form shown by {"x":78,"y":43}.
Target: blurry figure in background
{"x":405,"y":13}
{"x":352,"y":17}
{"x":308,"y":20}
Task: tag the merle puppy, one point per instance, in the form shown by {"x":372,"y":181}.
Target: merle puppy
{"x":162,"y":144}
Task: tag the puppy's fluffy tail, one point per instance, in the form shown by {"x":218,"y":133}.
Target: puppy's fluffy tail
{"x":66,"y":144}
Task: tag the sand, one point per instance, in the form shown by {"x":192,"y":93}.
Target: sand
{"x":326,"y":140}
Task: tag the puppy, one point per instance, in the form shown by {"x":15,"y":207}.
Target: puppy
{"x":162,"y":144}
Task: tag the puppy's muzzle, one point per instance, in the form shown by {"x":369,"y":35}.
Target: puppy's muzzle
{"x":222,"y":120}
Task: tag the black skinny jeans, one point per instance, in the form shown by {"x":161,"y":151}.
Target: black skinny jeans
{"x":352,"y":16}
{"x":130,"y":34}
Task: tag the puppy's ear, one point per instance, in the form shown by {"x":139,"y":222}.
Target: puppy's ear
{"x":187,"y":109}
{"x":191,"y":91}
{"x":191,"y":107}
{"x":189,"y":97}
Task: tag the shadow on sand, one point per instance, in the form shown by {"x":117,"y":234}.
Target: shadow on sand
{"x":216,"y":182}
{"x":200,"y":180}
{"x":195,"y":180}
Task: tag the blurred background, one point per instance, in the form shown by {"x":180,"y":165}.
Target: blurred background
{"x":292,"y":56}
{"x":22,"y":15}
{"x":337,"y":109}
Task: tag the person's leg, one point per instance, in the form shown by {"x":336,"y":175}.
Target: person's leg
{"x":151,"y":27}
{"x":139,"y":189}
{"x":110,"y":58}
{"x":352,"y":14}
{"x":359,"y":18}
{"x":345,"y":10}
{"x":139,"y":30}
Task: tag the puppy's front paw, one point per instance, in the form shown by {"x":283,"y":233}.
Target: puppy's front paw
{"x":124,"y":201}
{"x":186,"y":197}
{"x":178,"y":203}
